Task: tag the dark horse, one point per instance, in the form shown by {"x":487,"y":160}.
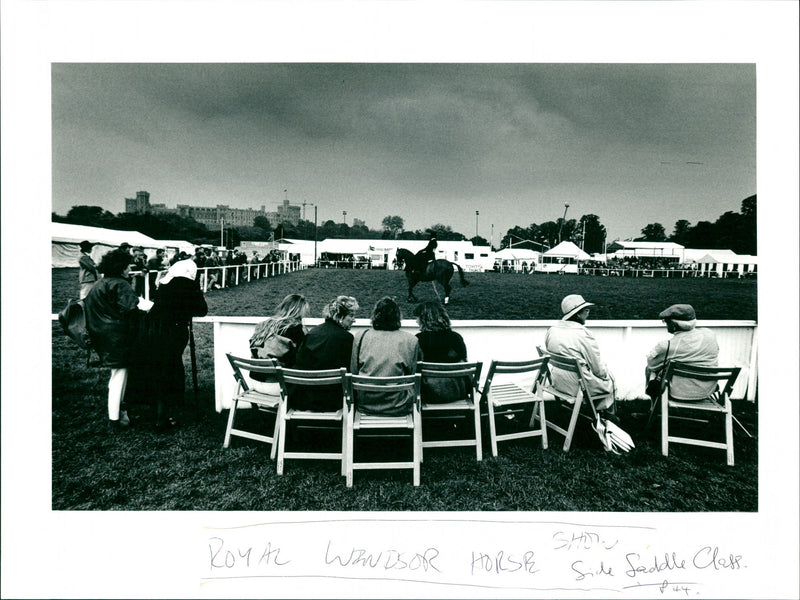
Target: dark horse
{"x":439,"y":270}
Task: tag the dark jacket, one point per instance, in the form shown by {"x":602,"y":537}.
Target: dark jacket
{"x":174,"y":305}
{"x":442,"y":347}
{"x":326,"y":346}
{"x":111,"y":311}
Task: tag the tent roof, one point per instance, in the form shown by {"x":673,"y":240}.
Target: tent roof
{"x":567,"y":248}
{"x":696,"y":254}
{"x":738,"y":259}
{"x":629,"y":244}
{"x":517,"y":253}
{"x":69,"y":233}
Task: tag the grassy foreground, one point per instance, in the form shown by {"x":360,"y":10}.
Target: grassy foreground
{"x":138,"y":469}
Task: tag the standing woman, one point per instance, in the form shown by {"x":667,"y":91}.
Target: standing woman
{"x":278,"y":337}
{"x":177,"y":299}
{"x":385,"y":351}
{"x":440,"y":344}
{"x":111,"y":311}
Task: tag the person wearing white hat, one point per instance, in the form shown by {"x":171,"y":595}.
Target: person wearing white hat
{"x":570,"y":337}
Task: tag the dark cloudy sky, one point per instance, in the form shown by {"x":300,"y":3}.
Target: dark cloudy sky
{"x":433,"y":143}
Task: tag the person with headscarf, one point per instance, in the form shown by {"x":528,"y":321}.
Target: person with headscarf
{"x":177,"y":299}
{"x":692,"y":345}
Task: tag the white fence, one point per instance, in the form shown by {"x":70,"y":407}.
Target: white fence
{"x":219,"y":276}
{"x":624,"y":345}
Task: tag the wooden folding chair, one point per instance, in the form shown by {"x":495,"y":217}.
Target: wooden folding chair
{"x":286,"y":414}
{"x":438,"y":412}
{"x":263,"y":402}
{"x":384,"y":425}
{"x":718,"y":402}
{"x":508,"y":399}
{"x":575,"y":399}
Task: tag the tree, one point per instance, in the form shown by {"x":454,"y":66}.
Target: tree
{"x":445,"y":233}
{"x":593,"y":232}
{"x":94,"y":216}
{"x":654,"y":232}
{"x":701,"y":235}
{"x":263,"y":223}
{"x":393,"y":224}
{"x":750,"y":222}
{"x":680,"y":234}
{"x":548,"y":233}
{"x":749,"y":207}
{"x":479,"y":241}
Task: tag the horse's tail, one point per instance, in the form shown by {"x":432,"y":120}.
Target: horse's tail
{"x":464,"y":282}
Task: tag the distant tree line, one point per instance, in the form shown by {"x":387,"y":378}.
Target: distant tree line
{"x":732,"y":230}
{"x":175,"y":227}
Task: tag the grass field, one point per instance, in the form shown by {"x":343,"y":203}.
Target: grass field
{"x":489,"y":295}
{"x":189,"y":470}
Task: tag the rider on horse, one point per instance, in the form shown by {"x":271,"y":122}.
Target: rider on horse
{"x":427,"y":254}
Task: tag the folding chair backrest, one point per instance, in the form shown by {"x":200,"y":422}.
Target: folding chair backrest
{"x":469,"y":370}
{"x":536,"y":366}
{"x":399,"y":383}
{"x":266,"y":366}
{"x":718,"y":374}
{"x":313,"y":378}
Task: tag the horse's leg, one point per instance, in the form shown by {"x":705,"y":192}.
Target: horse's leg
{"x":447,"y":289}
{"x":411,"y":296}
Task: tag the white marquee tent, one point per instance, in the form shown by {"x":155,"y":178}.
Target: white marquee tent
{"x":66,"y":239}
{"x":519,"y":258}
{"x":563,"y":258}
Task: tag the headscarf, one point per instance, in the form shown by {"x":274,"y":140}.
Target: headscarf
{"x":183,"y":268}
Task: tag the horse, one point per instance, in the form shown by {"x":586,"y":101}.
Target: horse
{"x":439,"y":270}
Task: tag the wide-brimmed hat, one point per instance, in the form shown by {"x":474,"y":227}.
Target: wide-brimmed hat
{"x":678,"y":312}
{"x":572,"y":304}
{"x":124,"y":246}
{"x":87,"y":246}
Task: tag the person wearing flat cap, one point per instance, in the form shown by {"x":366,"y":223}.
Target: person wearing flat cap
{"x":570,"y":337}
{"x":87,"y":273}
{"x":689,"y":344}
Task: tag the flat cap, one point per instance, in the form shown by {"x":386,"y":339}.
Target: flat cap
{"x":678,"y":312}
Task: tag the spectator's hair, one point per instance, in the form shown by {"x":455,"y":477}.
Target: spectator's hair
{"x":114,"y":263}
{"x":289,"y":312}
{"x":386,"y":315}
{"x":432,"y":316}
{"x":338,"y":309}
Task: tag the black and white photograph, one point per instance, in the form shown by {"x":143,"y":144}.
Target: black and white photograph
{"x":359,"y":322}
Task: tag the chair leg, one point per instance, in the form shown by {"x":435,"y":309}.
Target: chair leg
{"x":277,"y":434}
{"x":729,"y":431}
{"x":416,"y":446}
{"x":576,"y":410}
{"x":231,"y":413}
{"x":664,"y":425}
{"x":492,"y":429}
{"x":478,"y":449}
{"x":349,"y":457}
{"x":543,"y":423}
{"x":344,"y":445}
{"x":280,"y":430}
